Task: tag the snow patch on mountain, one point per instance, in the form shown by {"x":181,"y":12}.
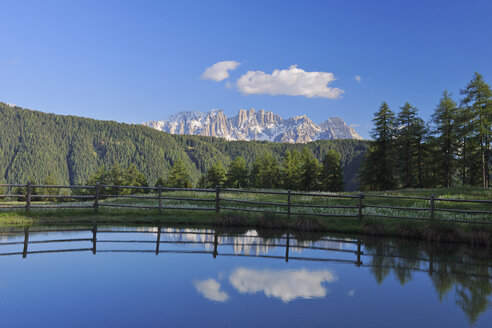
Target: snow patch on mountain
{"x":254,"y":125}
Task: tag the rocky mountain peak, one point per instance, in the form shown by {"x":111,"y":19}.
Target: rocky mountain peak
{"x":254,"y":125}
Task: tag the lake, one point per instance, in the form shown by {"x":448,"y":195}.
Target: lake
{"x":113,"y":276}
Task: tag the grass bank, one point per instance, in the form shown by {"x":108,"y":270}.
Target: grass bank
{"x":477,"y":233}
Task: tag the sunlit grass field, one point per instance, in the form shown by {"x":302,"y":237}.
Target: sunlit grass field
{"x":280,"y":205}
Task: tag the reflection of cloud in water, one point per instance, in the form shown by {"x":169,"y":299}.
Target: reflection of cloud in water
{"x":210,"y":289}
{"x":286,"y":285}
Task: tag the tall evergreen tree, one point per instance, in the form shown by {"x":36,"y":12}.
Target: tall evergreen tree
{"x":179,"y":176}
{"x":310,"y":170}
{"x":266,"y":172}
{"x":478,"y":102}
{"x":405,"y":142}
{"x":331,"y":173}
{"x":291,"y":170}
{"x":3,"y":190}
{"x":445,"y":119}
{"x":377,"y":171}
{"x":160,"y":182}
{"x":216,"y":175}
{"x":237,"y":173}
{"x":50,"y":181}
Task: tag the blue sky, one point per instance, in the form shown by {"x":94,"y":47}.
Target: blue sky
{"x":133,"y":61}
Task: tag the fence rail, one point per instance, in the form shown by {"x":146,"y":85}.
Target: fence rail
{"x":359,"y":208}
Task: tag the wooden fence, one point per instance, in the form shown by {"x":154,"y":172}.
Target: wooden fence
{"x":359,"y":202}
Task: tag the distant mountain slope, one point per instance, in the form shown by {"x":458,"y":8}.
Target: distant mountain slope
{"x":254,"y":125}
{"x":34,"y":145}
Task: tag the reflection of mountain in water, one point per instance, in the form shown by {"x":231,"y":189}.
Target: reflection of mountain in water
{"x":248,"y":243}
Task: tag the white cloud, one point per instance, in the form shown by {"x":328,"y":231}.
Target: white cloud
{"x":351,"y":292}
{"x":286,"y":285}
{"x":210,"y":289}
{"x":358,"y":78}
{"x":292,"y":82}
{"x":220,"y":71}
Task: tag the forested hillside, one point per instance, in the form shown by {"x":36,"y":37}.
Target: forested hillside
{"x":35,"y":145}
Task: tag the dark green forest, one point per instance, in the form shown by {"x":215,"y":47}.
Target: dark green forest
{"x":69,"y":150}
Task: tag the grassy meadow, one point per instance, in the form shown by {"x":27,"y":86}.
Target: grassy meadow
{"x":267,"y":218}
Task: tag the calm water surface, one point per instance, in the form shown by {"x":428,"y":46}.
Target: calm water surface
{"x":121,"y":277}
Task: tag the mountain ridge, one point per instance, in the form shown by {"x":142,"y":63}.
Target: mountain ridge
{"x":250,"y":125}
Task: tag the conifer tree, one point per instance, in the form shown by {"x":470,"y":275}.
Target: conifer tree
{"x":237,"y":173}
{"x":477,"y":101}
{"x":160,"y":182}
{"x":446,"y":130}
{"x":50,"y":181}
{"x":406,"y":145}
{"x":178,"y":176}
{"x":291,"y":170}
{"x":331,"y":173}
{"x":377,"y":171}
{"x":216,"y":175}
{"x":3,"y":190}
{"x":266,"y":172}
{"x":310,"y":170}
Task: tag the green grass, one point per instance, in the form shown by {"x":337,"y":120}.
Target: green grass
{"x":368,"y":225}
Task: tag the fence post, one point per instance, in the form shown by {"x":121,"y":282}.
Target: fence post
{"x":26,"y":242}
{"x":160,"y":199}
{"x":361,"y":197}
{"x":217,"y":199}
{"x":96,"y":197}
{"x":288,"y":204}
{"x":359,"y":262}
{"x":287,"y":245}
{"x":432,"y":207}
{"x":157,"y":244}
{"x":94,"y":239}
{"x":216,"y":245}
{"x":28,"y":196}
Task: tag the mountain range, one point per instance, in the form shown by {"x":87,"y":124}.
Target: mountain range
{"x":254,"y":125}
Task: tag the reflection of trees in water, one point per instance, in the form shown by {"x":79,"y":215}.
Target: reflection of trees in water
{"x":449,"y":266}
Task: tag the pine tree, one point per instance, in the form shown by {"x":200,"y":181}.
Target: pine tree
{"x":445,"y":119}
{"x":266,"y":172}
{"x":50,"y":181}
{"x":310,"y":171}
{"x":3,"y":190}
{"x":405,"y":144}
{"x":377,"y":170}
{"x":202,"y":181}
{"x":161,"y":182}
{"x":237,"y":173}
{"x":331,"y":173}
{"x":178,"y":176}
{"x":291,"y":170}
{"x":477,"y":101}
{"x":420,"y":132}
{"x":216,"y":175}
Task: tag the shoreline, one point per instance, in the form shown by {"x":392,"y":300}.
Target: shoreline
{"x":475,"y":234}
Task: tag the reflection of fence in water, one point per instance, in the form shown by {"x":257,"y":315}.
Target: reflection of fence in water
{"x":212,"y":244}
{"x":212,"y":240}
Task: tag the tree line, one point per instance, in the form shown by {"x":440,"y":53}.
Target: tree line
{"x":452,"y":149}
{"x":296,"y":171}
